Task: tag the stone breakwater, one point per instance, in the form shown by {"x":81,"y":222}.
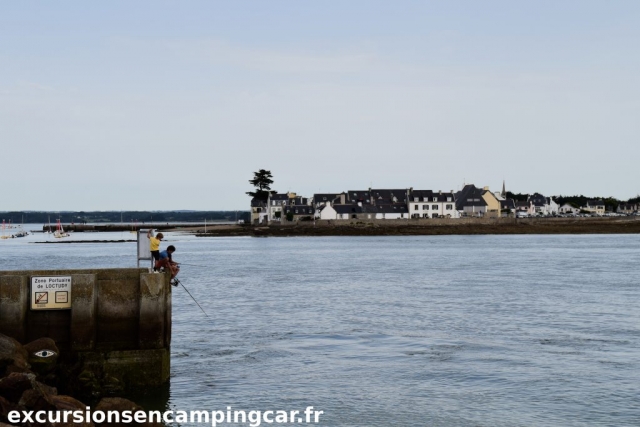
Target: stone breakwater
{"x":113,"y":337}
{"x":30,"y":379}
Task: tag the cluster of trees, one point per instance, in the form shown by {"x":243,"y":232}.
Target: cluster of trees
{"x":611,"y":203}
{"x":262,"y":181}
{"x":79,"y":217}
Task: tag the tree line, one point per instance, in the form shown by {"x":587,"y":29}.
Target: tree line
{"x":80,"y":217}
{"x":610,"y":203}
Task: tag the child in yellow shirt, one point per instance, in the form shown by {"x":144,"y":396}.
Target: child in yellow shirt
{"x":154,"y":244}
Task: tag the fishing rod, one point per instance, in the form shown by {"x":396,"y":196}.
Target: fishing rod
{"x":194,"y":265}
{"x":194,"y":300}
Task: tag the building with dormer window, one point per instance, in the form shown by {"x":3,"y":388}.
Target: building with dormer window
{"x":596,"y":207}
{"x":431,"y":204}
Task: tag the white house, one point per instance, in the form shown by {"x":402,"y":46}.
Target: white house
{"x":543,"y":205}
{"x":568,"y":209}
{"x":524,"y":209}
{"x":326,"y":212}
{"x":258,"y":211}
{"x":275,"y":203}
{"x":430,"y":204}
{"x":394,"y":211}
{"x":627,"y":208}
{"x":595,"y":206}
{"x":278,"y":201}
{"x":297,"y":208}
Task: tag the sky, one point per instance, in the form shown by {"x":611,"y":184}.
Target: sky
{"x":174,"y":105}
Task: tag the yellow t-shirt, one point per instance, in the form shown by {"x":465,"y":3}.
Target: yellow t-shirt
{"x":154,"y":243}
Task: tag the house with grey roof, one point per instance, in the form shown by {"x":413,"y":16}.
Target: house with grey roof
{"x":321,"y":199}
{"x":543,"y":205}
{"x":432,"y":204}
{"x":277,"y":202}
{"x":362,"y":197}
{"x":299,"y":212}
{"x":568,"y":209}
{"x":364,"y":204}
{"x":627,"y":208}
{"x":339,"y":211}
{"x":524,"y":209}
{"x":258,"y":211}
{"x":594,"y":206}
{"x":388,"y":204}
{"x":507,"y":207}
{"x":474,"y":201}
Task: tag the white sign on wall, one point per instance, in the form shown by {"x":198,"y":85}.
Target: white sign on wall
{"x":144,"y":250}
{"x":50,"y":292}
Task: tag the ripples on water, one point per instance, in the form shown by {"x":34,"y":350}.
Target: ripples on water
{"x":399,"y":331}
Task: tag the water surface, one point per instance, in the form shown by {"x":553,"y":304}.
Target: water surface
{"x":425,"y":330}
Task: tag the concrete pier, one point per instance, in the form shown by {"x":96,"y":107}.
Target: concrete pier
{"x":118,"y":325}
{"x":79,"y":228}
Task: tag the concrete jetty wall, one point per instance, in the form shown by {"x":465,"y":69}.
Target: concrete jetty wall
{"x":131,"y":227}
{"x":118,"y":324}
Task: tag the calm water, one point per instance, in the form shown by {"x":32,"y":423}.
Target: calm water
{"x":398,"y":331}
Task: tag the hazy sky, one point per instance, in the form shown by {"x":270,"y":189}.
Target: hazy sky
{"x":173,"y":105}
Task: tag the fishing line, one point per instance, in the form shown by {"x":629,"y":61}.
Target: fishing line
{"x":194,"y":300}
{"x":194,"y":265}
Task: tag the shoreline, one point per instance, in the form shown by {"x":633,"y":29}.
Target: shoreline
{"x":429,"y":228}
{"x":84,"y":241}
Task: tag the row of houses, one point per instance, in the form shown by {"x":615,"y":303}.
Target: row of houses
{"x":470,"y":201}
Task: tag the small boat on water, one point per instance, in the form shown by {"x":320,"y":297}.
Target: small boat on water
{"x":20,"y":233}
{"x":59,"y":233}
{"x":3,"y":236}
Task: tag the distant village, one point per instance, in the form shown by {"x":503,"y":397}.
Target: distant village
{"x":388,"y":204}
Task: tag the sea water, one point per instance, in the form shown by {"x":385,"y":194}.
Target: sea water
{"x":395,"y":331}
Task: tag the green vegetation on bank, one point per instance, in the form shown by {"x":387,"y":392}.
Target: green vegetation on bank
{"x":43,"y":217}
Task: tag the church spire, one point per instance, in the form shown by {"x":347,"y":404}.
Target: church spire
{"x":504,"y":192}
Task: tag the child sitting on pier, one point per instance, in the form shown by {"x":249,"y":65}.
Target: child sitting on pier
{"x":165,"y":261}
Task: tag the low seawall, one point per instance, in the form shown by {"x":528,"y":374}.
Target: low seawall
{"x":112,"y":326}
{"x":79,"y":228}
{"x":433,"y":226}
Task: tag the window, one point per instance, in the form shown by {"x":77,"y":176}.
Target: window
{"x":415,"y":207}
{"x":416,"y":199}
{"x":448,"y":199}
{"x":435,"y":199}
{"x":449,"y":207}
{"x":425,"y":207}
{"x":434,"y":207}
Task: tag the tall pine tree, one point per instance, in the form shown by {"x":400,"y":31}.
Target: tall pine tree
{"x":262,"y":182}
